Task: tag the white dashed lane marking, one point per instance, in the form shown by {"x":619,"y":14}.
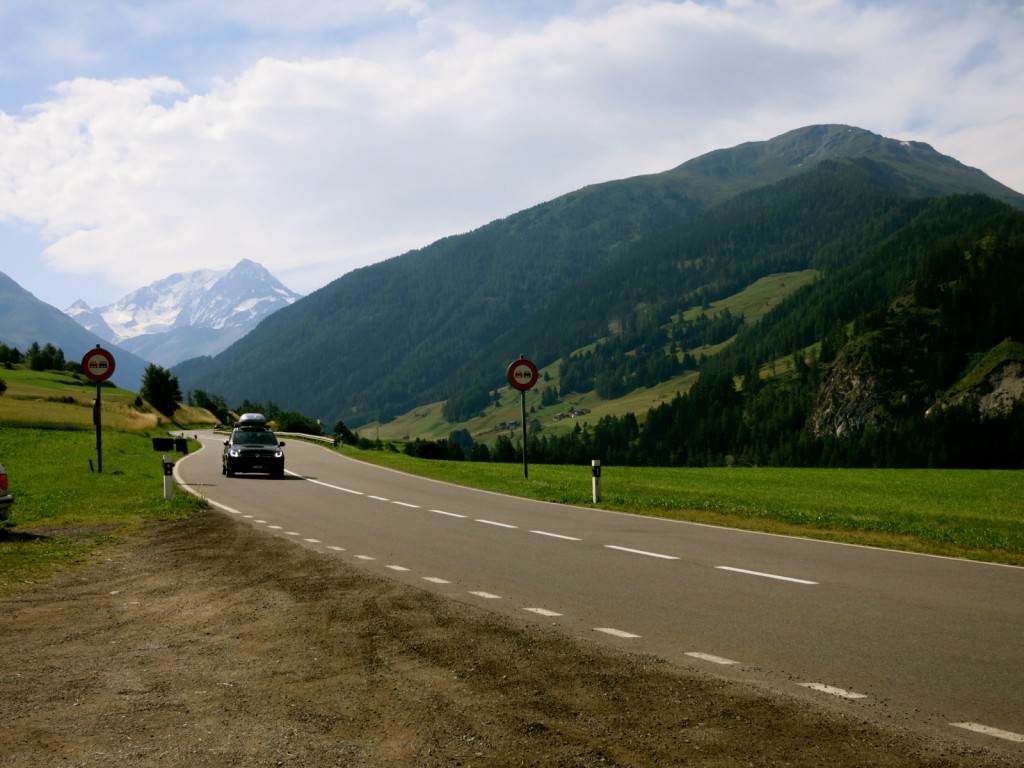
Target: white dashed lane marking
{"x":542,"y":611}
{"x":989,"y":731}
{"x":640,"y":552}
{"x":447,"y":514}
{"x":831,"y":690}
{"x":709,"y":657}
{"x":556,"y":536}
{"x":499,"y":525}
{"x":486,"y":595}
{"x":616,"y":632}
{"x":764,"y":575}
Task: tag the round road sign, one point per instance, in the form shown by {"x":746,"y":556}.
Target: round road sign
{"x":522,"y":374}
{"x":98,"y":364}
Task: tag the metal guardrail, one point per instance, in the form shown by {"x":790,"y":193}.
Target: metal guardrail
{"x":298,"y":435}
{"x":304,"y":436}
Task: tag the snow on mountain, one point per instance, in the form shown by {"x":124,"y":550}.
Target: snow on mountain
{"x":188,"y":314}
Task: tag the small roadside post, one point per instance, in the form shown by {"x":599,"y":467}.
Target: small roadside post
{"x":522,"y":375}
{"x":179,"y":444}
{"x":595,"y":471}
{"x":98,"y":366}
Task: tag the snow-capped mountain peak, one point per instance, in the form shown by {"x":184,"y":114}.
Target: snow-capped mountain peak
{"x":188,"y":313}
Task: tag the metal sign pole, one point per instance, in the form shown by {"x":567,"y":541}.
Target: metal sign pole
{"x":99,"y":431}
{"x":526,"y":472}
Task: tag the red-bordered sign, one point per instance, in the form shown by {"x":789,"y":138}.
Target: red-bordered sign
{"x":522,"y":374}
{"x":98,"y":365}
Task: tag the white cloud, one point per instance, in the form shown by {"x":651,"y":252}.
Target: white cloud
{"x":433,"y":124}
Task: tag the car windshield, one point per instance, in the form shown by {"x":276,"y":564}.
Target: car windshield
{"x":254,"y":438}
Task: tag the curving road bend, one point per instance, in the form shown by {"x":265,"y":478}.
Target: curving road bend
{"x":934,"y":643}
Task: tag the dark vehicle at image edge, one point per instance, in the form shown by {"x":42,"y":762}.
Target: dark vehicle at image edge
{"x":5,"y":498}
{"x":253,"y":447}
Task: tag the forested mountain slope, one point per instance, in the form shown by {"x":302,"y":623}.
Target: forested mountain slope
{"x":909,"y":343}
{"x":444,"y":321}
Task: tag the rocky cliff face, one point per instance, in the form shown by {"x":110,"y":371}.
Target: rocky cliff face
{"x":999,"y":391}
{"x":873,"y":384}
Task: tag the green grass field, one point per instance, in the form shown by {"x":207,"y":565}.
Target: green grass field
{"x":64,"y":511}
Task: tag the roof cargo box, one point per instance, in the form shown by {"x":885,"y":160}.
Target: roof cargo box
{"x":251,"y":420}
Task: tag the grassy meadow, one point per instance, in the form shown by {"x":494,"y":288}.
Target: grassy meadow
{"x":66,"y":513}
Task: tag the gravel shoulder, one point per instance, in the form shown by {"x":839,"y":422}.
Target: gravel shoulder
{"x":206,"y":642}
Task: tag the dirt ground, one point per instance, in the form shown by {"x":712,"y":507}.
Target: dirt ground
{"x":207,"y":642}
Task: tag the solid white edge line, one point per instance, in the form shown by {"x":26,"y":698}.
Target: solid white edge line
{"x":764,"y":575}
{"x":989,"y":731}
{"x":640,"y":552}
{"x":831,"y":690}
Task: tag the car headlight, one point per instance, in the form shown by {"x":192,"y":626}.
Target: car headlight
{"x":234,"y":453}
{"x":279,"y":455}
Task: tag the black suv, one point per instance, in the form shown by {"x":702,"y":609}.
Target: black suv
{"x":253,"y":447}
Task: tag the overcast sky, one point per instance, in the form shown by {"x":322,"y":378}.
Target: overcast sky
{"x":139,"y":138}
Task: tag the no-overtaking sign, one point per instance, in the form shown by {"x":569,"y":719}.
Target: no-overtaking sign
{"x":522,"y":374}
{"x":98,"y":365}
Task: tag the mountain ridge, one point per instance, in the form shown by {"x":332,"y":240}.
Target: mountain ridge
{"x":404,"y":329}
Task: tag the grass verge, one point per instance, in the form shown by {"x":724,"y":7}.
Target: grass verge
{"x":64,"y":512}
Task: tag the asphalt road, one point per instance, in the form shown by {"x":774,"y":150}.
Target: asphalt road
{"x":935,"y":643}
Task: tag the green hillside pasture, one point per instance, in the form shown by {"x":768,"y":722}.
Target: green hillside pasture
{"x":759,"y":298}
{"x":63,"y":513}
{"x":64,"y":401}
{"x":958,"y":513}
{"x":426,"y":422}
